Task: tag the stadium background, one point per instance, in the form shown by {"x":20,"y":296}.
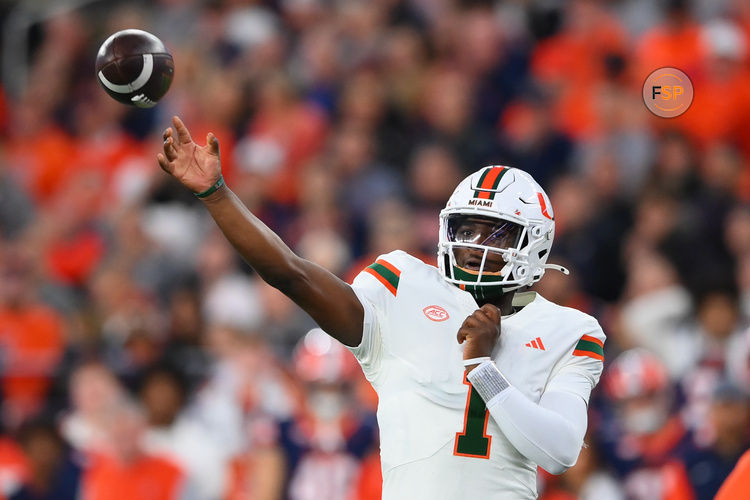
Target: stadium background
{"x":141,"y":359}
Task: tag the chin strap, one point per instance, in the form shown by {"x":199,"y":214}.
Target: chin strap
{"x":562,"y":269}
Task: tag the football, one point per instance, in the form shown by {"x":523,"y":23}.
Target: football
{"x":135,"y":68}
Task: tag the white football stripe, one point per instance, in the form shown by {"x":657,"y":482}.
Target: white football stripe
{"x":148,"y":68}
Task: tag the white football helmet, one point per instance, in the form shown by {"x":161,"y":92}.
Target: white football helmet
{"x":505,"y":220}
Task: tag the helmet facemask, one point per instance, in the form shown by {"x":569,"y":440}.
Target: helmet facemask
{"x":486,"y":255}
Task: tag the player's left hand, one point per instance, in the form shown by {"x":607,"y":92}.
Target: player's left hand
{"x":480,"y":331}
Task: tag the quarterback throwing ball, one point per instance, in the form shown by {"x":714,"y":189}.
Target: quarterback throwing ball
{"x":478,"y":383}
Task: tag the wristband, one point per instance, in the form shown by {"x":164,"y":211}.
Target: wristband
{"x":212,"y":189}
{"x":487,"y":380}
{"x":476,"y":361}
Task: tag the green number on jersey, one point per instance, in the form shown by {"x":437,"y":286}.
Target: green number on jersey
{"x":473,"y":441}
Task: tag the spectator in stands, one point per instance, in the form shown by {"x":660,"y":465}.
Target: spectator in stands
{"x":736,"y":485}
{"x":31,"y":338}
{"x":643,"y":436}
{"x":173,"y":432}
{"x":94,"y":391}
{"x":586,"y":480}
{"x":707,"y":466}
{"x":327,"y":439}
{"x":127,"y":470}
{"x":54,"y":473}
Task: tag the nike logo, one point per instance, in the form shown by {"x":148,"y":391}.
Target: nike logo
{"x":536,"y":344}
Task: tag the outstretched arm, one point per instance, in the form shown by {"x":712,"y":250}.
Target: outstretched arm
{"x":330,"y":301}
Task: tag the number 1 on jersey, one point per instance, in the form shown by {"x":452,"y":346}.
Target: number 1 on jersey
{"x":473,"y":441}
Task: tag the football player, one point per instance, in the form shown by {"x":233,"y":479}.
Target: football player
{"x":478,"y":383}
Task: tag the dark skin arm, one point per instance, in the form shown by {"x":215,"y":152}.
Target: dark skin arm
{"x":330,"y":301}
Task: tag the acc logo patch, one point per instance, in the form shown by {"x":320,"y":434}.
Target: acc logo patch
{"x":435,"y":313}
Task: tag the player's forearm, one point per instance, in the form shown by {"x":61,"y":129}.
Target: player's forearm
{"x":330,"y":301}
{"x":271,"y":258}
{"x":543,"y":435}
{"x":549,"y":433}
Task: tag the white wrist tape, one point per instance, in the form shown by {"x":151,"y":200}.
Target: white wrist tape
{"x":487,"y":380}
{"x":476,"y":361}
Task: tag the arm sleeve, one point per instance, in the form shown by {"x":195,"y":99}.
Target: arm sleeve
{"x":549,"y":433}
{"x":580,"y":372}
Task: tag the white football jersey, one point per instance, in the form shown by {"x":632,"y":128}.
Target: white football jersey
{"x":437,"y":438}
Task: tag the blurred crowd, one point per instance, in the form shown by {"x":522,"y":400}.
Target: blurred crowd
{"x":141,"y":358}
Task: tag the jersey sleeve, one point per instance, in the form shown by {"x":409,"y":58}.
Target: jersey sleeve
{"x":376,"y":287}
{"x":581,"y":369}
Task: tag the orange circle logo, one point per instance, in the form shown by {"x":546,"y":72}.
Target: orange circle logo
{"x":436,"y":313}
{"x":667,"y":92}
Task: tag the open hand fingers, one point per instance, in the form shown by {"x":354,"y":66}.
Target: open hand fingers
{"x":170,"y":151}
{"x":165,"y":164}
{"x":212,"y":143}
{"x":183,"y":135}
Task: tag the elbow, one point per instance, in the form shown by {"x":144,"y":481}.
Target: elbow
{"x":563,"y":454}
{"x":556,"y":468}
{"x":561,"y":461}
{"x":284,"y":277}
{"x":281,"y":282}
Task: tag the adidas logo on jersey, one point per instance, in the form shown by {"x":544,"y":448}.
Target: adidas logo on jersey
{"x":536,"y":344}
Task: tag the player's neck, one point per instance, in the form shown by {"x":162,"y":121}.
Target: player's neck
{"x":503,"y":302}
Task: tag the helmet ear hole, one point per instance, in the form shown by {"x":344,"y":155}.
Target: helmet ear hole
{"x":542,"y":253}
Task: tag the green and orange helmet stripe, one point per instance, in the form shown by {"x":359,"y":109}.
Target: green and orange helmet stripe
{"x":488,"y":182}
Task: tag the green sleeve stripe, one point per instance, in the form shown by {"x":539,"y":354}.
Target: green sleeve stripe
{"x":587,"y":345}
{"x":386,"y":274}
